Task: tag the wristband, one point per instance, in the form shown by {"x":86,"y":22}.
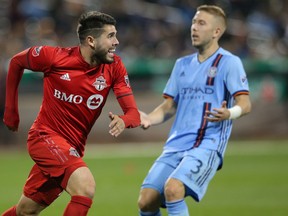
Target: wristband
{"x":235,"y":112}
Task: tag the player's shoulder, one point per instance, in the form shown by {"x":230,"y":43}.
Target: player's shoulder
{"x":228,"y":56}
{"x":36,"y":50}
{"x":117,"y":59}
{"x":117,"y":63}
{"x":67,"y":50}
{"x":184,"y":60}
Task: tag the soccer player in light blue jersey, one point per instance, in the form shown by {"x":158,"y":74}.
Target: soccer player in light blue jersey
{"x":206,"y":92}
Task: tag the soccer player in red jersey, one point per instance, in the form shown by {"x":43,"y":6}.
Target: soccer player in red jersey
{"x":77,"y":81}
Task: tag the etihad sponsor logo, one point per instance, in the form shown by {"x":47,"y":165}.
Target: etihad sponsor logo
{"x":197,"y":90}
{"x":93,"y":102}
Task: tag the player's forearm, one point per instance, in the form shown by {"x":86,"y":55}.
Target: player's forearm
{"x":243,"y":101}
{"x":162,"y":113}
{"x":246,"y":108}
{"x":131,"y":115}
{"x":156,"y":117}
{"x":11,"y":114}
{"x":131,"y":118}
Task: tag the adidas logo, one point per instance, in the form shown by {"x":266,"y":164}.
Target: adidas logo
{"x":65,"y":77}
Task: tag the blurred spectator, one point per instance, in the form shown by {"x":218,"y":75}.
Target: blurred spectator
{"x":150,"y":28}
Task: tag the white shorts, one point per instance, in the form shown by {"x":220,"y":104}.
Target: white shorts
{"x":195,"y":168}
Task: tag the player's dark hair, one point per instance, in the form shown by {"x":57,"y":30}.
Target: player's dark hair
{"x":92,"y":22}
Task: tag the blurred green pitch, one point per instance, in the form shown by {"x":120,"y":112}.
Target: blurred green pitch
{"x":253,"y":181}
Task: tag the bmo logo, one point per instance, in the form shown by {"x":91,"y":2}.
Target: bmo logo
{"x":93,"y":102}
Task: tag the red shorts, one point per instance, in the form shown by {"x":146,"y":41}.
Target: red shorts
{"x":55,"y":161}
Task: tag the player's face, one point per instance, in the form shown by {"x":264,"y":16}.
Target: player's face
{"x":203,"y":30}
{"x":105,"y":45}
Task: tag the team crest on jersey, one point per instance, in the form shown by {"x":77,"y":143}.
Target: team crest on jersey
{"x":100,"y":83}
{"x":127,"y":81}
{"x":36,"y":51}
{"x":212,"y":72}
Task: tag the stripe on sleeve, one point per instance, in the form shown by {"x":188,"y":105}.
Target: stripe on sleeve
{"x":124,"y":95}
{"x":167,"y":96}
{"x":242,"y":92}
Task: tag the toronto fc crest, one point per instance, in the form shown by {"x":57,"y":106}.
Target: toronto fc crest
{"x":100,"y":83}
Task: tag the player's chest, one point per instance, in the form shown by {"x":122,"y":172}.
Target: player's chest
{"x":80,"y":82}
{"x":196,"y":75}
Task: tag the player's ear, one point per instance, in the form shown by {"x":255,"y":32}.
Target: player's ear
{"x":217,"y":33}
{"x":91,"y":41}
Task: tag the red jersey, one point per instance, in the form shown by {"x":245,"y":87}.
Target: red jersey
{"x":74,"y":93}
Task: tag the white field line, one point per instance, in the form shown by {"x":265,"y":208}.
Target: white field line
{"x":130,"y":150}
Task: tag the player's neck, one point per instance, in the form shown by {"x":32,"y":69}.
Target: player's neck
{"x":86,"y":55}
{"x":205,"y":52}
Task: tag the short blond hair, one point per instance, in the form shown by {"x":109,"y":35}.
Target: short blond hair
{"x":215,"y":11}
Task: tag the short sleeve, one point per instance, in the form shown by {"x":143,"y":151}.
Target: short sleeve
{"x":236,"y":79}
{"x":171,"y":88}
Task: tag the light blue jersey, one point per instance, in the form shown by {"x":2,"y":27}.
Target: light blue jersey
{"x":197,"y":87}
{"x":195,"y":147}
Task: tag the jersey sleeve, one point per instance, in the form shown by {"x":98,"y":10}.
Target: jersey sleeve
{"x":40,"y":58}
{"x":35,"y":59}
{"x":121,"y":83}
{"x":123,"y":91}
{"x":171,"y":88}
{"x":236,"y":78}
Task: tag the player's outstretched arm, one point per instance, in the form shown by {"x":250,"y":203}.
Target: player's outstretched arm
{"x":160,"y":114}
{"x":145,"y":121}
{"x":16,"y":69}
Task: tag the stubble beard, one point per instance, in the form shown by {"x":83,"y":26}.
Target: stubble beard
{"x":197,"y":45}
{"x":100,"y":57}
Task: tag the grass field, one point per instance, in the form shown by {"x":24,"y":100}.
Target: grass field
{"x":253,"y":181}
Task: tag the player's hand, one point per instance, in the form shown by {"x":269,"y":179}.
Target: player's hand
{"x":218,"y":114}
{"x":117,"y":125}
{"x":145,"y":121}
{"x":12,"y":128}
{"x":11,"y":120}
